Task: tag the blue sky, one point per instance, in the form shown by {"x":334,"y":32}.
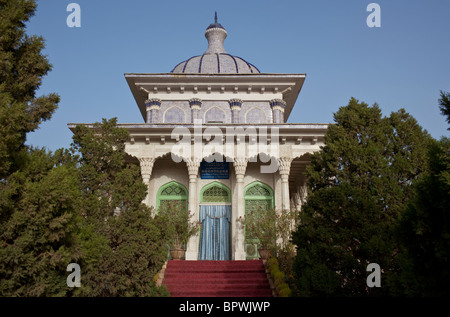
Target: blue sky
{"x":402,"y":64}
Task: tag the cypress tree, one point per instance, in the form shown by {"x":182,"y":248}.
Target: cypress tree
{"x":122,"y":243}
{"x":358,"y":185}
{"x":424,"y":229}
{"x":37,"y":189}
{"x":444,"y":105}
{"x":22,"y":67}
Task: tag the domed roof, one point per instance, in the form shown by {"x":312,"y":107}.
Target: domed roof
{"x":215,"y":60}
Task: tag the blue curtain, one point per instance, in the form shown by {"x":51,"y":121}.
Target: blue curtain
{"x":215,"y":232}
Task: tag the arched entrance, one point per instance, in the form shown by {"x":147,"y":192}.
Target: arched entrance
{"x":215,"y":217}
{"x":256,"y":195}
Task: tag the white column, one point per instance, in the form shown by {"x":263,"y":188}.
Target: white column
{"x":238,"y":237}
{"x":192,"y":246}
{"x":146,"y":164}
{"x":284,"y":169}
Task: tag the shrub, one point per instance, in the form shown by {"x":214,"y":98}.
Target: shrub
{"x":178,"y":223}
{"x":279,"y":278}
{"x":285,"y":292}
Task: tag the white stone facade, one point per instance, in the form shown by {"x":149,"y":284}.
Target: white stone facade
{"x":153,"y":146}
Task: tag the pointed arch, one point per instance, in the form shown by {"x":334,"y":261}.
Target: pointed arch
{"x":258,"y":191}
{"x":255,"y":115}
{"x":172,"y":191}
{"x":215,"y":114}
{"x":174,"y":114}
{"x":215,"y":192}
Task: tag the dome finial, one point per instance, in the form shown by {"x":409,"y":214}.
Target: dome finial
{"x":216,"y":34}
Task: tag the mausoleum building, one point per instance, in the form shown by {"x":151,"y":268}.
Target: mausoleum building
{"x":216,"y":135}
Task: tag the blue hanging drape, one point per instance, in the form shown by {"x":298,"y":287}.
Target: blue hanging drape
{"x":215,"y":232}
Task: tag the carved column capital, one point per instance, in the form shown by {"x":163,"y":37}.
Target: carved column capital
{"x":284,"y":165}
{"x":146,"y":164}
{"x":278,"y":103}
{"x":192,"y":166}
{"x":235,"y":104}
{"x":240,"y":165}
{"x":195,"y":103}
{"x":153,"y":102}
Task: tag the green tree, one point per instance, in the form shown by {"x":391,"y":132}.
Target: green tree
{"x":22,"y":67}
{"x":358,"y":185}
{"x":37,"y":225}
{"x":444,"y":105}
{"x":37,"y":189}
{"x":122,"y":244}
{"x":58,"y":208}
{"x":424,"y":229}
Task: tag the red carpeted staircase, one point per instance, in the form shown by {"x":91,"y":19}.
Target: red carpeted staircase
{"x":217,"y":279}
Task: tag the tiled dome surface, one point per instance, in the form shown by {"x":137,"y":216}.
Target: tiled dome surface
{"x":215,"y":63}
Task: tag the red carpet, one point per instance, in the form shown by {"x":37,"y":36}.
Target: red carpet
{"x":217,"y":279}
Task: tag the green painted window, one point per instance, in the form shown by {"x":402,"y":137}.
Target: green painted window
{"x":172,"y":191}
{"x":259,"y":190}
{"x":258,"y":195}
{"x":215,"y":193}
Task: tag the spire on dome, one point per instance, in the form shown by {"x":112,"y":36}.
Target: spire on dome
{"x":216,"y":34}
{"x":215,"y":60}
{"x":216,"y":24}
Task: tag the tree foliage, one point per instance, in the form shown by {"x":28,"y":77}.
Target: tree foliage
{"x":22,"y":67}
{"x":122,"y":244}
{"x":358,"y":186}
{"x":424,"y":229}
{"x":179,"y":223}
{"x":38,"y":225}
{"x":36,"y":187}
{"x":425,"y":226}
{"x":81,"y":205}
{"x":444,"y":105}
